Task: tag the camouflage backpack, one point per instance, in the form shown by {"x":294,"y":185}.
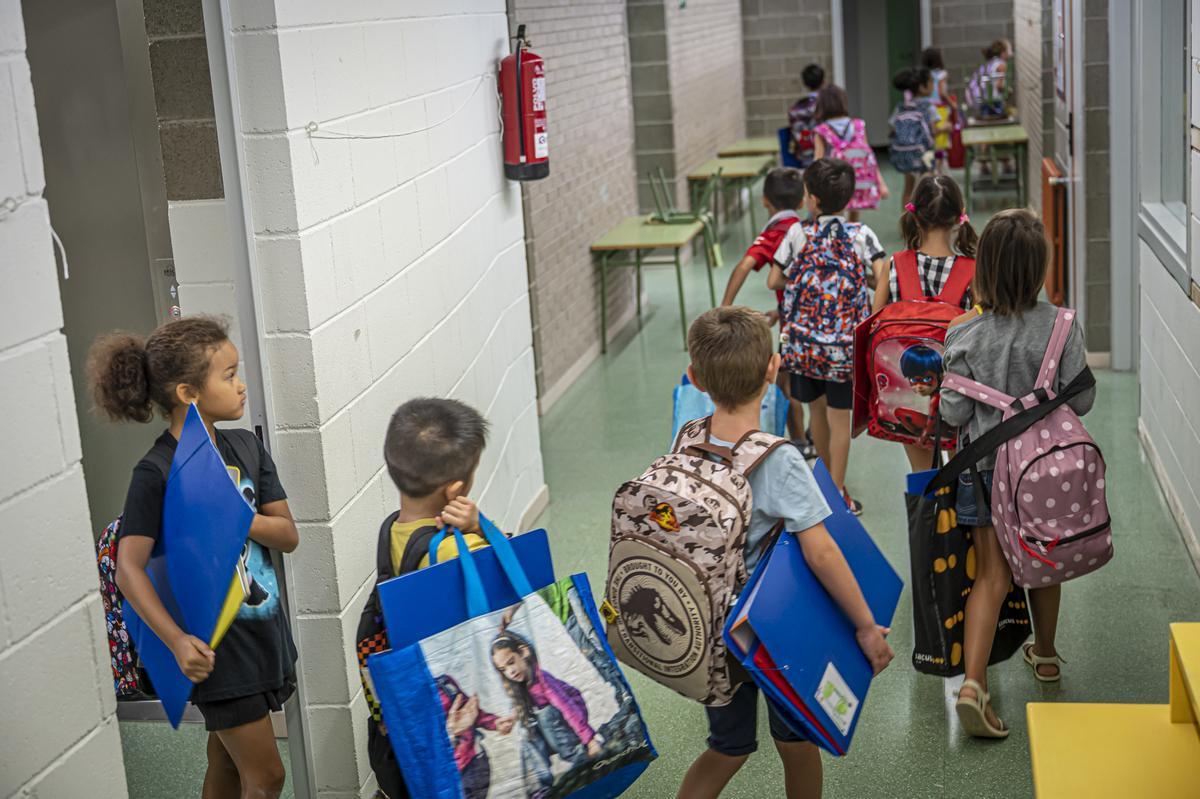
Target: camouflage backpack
{"x":676,"y":560}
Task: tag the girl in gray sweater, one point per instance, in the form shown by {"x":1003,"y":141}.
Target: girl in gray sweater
{"x":1001,"y":343}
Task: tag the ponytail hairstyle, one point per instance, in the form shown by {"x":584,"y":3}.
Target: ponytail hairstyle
{"x":937,"y":202}
{"x":911,"y":79}
{"x":129,"y":376}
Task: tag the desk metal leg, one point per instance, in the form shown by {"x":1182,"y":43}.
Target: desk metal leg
{"x":708,"y":269}
{"x":968,"y":166}
{"x":682,"y":309}
{"x":637,"y":259}
{"x":1022,"y":175}
{"x":604,"y":301}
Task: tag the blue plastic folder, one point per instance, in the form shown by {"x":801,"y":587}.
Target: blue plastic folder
{"x":692,"y":403}
{"x":425,"y":602}
{"x":815,"y":672}
{"x":204,"y":527}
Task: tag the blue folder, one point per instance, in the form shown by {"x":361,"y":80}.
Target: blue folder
{"x":692,"y":403}
{"x":785,"y":611}
{"x":204,"y":527}
{"x":440,"y":591}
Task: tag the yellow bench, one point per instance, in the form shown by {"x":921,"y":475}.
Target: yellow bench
{"x":1110,"y":750}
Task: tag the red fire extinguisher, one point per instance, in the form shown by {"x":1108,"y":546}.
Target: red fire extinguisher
{"x":523,"y":92}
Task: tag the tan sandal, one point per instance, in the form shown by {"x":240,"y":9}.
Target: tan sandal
{"x":1035,"y":661}
{"x":972,"y":713}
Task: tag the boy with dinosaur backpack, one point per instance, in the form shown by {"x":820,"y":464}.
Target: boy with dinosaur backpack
{"x":685,"y":533}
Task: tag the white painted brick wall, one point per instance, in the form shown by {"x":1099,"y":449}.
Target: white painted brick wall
{"x":391,"y":268}
{"x":55,"y":681}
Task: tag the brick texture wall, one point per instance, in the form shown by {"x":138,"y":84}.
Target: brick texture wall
{"x":1034,"y":65}
{"x":962,"y":28}
{"x":55,"y":680}
{"x":779,"y":38}
{"x":1097,"y":176}
{"x":390,"y":268}
{"x":592,"y":182}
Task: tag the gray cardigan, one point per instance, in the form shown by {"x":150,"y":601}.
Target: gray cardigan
{"x":1005,"y":352}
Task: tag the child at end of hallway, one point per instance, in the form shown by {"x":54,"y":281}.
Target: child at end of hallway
{"x":783,"y":192}
{"x":253,"y":672}
{"x":826,"y":268}
{"x":432,"y":448}
{"x":840,"y":136}
{"x":802,"y":115}
{"x":935,"y":225}
{"x":931,"y":59}
{"x":1001,"y":343}
{"x":914,"y":120}
{"x":732,"y":358}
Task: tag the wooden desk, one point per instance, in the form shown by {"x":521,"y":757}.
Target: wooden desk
{"x":637,"y":234}
{"x":761,"y":145}
{"x":1009,"y":135}
{"x":738,"y":172}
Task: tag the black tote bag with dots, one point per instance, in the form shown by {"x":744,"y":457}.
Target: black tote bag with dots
{"x":943,"y":570}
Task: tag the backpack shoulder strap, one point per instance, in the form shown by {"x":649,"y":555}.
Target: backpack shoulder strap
{"x":961,"y":275}
{"x":907,"y":275}
{"x":417,"y":548}
{"x":1054,"y":350}
{"x":972,"y":389}
{"x":692,"y":433}
{"x":753,"y":449}
{"x":245,"y":446}
{"x":161,"y":461}
{"x":383,"y":547}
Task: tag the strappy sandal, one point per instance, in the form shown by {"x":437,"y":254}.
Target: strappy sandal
{"x":1035,"y":661}
{"x":972,"y":713}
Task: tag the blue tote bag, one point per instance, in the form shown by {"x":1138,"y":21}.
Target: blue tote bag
{"x":692,"y":403}
{"x":521,"y":697}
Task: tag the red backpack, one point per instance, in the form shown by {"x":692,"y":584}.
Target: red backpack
{"x":898,"y":355}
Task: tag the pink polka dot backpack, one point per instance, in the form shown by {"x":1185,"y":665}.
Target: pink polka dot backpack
{"x":1048,"y":500}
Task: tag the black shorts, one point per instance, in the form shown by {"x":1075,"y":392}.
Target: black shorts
{"x":840,"y":396}
{"x":733,"y":728}
{"x":225,"y":714}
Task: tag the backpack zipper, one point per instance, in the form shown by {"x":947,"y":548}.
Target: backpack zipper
{"x":1069,"y":539}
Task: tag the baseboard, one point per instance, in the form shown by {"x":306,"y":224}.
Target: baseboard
{"x":556,"y":391}
{"x":1190,"y":539}
{"x":535,"y":508}
{"x":1099,"y":360}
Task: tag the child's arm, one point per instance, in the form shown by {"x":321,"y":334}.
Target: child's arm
{"x":1074,"y":361}
{"x":777,"y":280}
{"x":194,"y":656}
{"x":818,"y":146}
{"x":737,"y":278}
{"x":956,"y":409}
{"x":884,"y":191}
{"x":883,"y":277}
{"x":274,"y":527}
{"x":828,"y":563}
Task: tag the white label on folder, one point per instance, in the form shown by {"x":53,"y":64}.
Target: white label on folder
{"x":836,"y":699}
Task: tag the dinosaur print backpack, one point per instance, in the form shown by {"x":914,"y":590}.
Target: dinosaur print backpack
{"x":676,"y":560}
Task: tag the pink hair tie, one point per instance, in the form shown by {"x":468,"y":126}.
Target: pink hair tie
{"x":964,"y":219}
{"x":912,"y":209}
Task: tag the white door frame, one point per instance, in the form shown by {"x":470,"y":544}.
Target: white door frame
{"x":838,"y":28}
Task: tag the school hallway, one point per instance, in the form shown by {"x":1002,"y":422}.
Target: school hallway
{"x":1113,"y":630}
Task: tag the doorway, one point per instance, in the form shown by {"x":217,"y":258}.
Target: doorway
{"x":879,"y":38}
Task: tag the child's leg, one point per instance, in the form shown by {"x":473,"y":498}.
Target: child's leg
{"x":709,"y":775}
{"x":221,"y":779}
{"x":795,"y":424}
{"x":992,"y":581}
{"x":732,"y":738}
{"x":818,"y":422}
{"x":919,"y":458}
{"x":252,"y":749}
{"x":801,"y":769}
{"x":910,"y":180}
{"x":839,"y":444}
{"x":1043,"y":603}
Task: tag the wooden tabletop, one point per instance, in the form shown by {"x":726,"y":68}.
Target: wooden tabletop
{"x":1012,"y":133}
{"x":639,"y":233}
{"x":761,"y":145}
{"x":742,"y":166}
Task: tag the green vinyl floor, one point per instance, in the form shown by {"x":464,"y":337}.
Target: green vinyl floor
{"x":616,"y":418}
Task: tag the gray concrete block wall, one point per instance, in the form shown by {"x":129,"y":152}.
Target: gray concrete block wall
{"x":592,"y":182}
{"x":390,"y":268}
{"x":1097,"y":177}
{"x":1034,"y":68}
{"x":779,"y":38}
{"x":650,"y":83}
{"x":57,"y":704}
{"x":963,"y":28}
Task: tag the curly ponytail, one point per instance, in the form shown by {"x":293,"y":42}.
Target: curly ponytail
{"x":129,"y":375}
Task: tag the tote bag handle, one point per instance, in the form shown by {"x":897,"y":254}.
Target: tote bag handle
{"x":477,"y":603}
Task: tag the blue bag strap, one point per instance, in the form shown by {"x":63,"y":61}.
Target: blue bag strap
{"x":477,"y":602}
{"x":505,"y":554}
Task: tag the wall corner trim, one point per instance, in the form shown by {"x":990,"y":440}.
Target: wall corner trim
{"x":535,"y":508}
{"x":1190,"y":539}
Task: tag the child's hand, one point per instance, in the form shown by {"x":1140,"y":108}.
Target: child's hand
{"x":461,"y":513}
{"x":505,"y":725}
{"x":593,"y":748}
{"x":871,"y":641}
{"x":772,"y":317}
{"x":884,"y":191}
{"x":462,"y":715}
{"x":194,"y":657}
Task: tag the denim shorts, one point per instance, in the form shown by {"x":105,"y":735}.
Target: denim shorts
{"x":733,"y":728}
{"x":966,"y":506}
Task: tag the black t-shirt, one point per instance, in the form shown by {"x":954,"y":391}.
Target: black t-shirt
{"x":257,"y":654}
